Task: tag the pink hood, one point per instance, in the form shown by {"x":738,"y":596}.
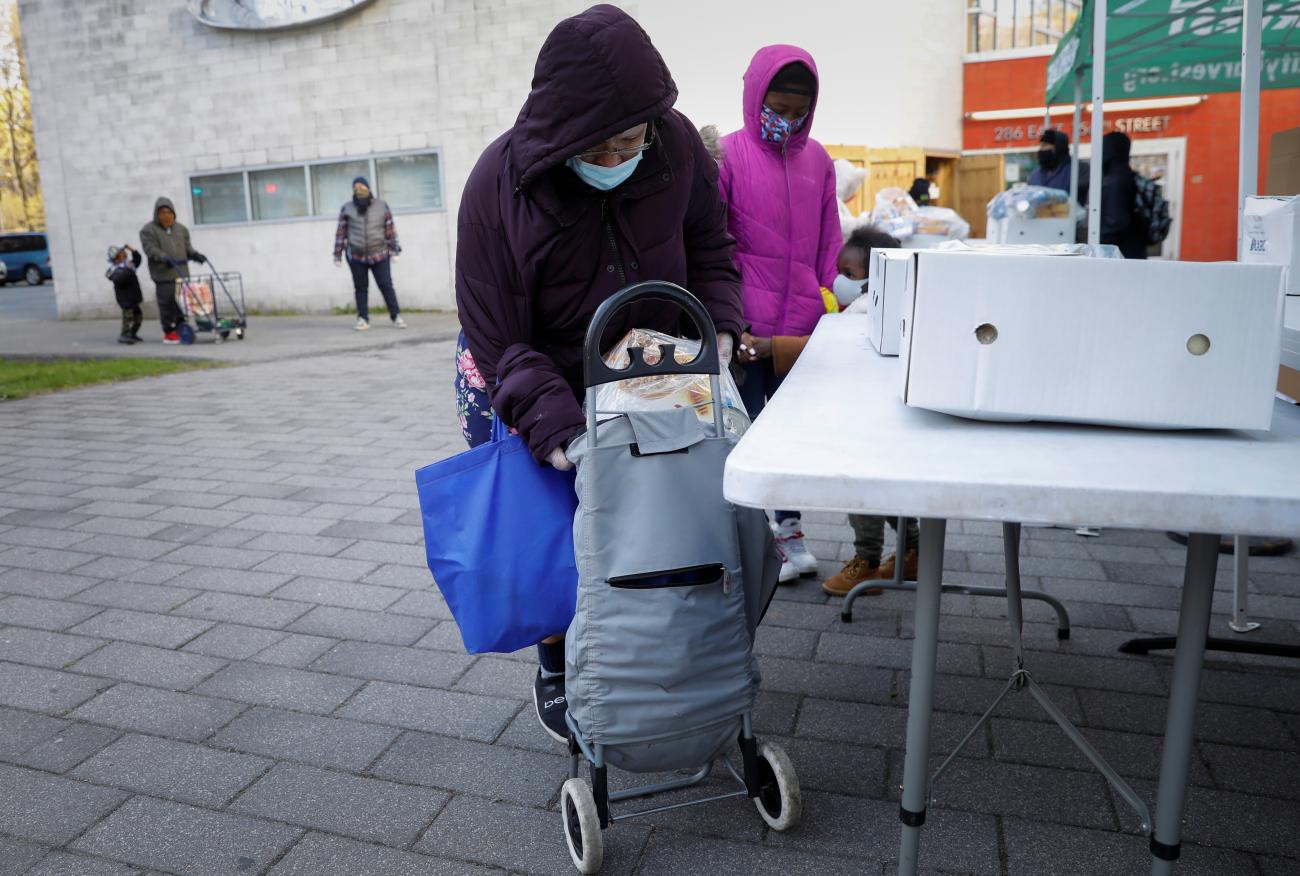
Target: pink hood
{"x":781,"y":210}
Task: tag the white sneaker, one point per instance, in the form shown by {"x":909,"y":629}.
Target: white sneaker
{"x":1088,"y":531}
{"x":788,"y":572}
{"x":362,"y":324}
{"x":789,"y":535}
{"x":398,"y":322}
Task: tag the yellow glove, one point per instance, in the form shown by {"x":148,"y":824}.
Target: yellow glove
{"x":828,"y":297}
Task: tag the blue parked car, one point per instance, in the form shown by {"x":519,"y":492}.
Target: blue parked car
{"x":26,"y":255}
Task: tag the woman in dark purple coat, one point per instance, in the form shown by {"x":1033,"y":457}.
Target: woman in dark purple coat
{"x":599,"y":184}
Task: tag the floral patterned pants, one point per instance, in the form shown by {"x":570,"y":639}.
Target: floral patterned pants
{"x":472,"y":405}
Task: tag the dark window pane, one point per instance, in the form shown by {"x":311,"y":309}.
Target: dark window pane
{"x":218,"y":198}
{"x":410,"y":182}
{"x":280,"y":193}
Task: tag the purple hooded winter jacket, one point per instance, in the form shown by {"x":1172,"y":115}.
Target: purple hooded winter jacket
{"x":539,"y":250}
{"x":781,"y":210}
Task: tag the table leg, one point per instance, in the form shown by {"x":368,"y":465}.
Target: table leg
{"x":925,"y":649}
{"x":1193,"y":626}
{"x":1240,"y":622}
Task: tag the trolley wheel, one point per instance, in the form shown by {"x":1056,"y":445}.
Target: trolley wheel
{"x":778,"y":799}
{"x":581,"y":826}
{"x":225,"y":334}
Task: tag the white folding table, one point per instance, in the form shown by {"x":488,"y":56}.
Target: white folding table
{"x":837,"y":437}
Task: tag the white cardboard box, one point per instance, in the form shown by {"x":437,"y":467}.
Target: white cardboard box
{"x":924,"y":241}
{"x":1271,"y":235}
{"x":1089,"y":340}
{"x":1018,"y":229}
{"x":886,"y":285}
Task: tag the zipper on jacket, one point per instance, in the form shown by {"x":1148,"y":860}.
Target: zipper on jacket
{"x":789,"y":235}
{"x":613,"y":242}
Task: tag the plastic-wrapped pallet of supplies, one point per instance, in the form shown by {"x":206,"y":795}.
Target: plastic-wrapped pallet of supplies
{"x":662,"y":392}
{"x":1030,"y":202}
{"x":940,"y":221}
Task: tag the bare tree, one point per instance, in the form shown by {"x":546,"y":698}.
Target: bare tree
{"x":21,"y":176}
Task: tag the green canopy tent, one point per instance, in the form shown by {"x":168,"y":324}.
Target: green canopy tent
{"x":1161,"y":48}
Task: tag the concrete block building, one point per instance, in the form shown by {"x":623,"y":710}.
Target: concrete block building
{"x":256,"y":135}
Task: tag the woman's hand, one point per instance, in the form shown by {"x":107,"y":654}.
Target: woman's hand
{"x":753,"y":349}
{"x":725,"y":342}
{"x":559,"y":461}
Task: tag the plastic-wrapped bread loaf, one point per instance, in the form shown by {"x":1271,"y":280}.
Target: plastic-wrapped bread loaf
{"x":658,"y":392}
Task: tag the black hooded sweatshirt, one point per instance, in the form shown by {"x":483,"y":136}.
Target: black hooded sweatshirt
{"x":1119,"y":223}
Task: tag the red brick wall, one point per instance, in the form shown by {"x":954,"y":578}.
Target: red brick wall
{"x":1210,"y":187}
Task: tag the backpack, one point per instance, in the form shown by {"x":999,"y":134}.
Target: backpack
{"x":1151,"y":207}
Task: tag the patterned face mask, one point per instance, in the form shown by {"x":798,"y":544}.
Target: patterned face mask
{"x":776,"y":128}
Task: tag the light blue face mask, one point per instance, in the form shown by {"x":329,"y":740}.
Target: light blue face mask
{"x":604,"y":178}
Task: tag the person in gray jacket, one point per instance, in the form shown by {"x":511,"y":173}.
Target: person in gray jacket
{"x":366,"y":230}
{"x":166,"y":244}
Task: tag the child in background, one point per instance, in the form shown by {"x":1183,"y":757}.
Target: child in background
{"x":850,"y":281}
{"x":869,"y":531}
{"x":122,"y":264}
{"x":853,"y":262}
{"x":779,"y":187}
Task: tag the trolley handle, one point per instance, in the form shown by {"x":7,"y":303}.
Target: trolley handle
{"x":594,"y":370}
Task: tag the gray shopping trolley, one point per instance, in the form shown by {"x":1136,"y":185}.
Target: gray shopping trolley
{"x":672,"y":582}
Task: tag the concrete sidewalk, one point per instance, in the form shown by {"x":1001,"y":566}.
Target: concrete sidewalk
{"x":269,"y":338}
{"x":221,"y":653}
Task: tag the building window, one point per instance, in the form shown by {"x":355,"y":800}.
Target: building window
{"x":279,"y":193}
{"x":996,"y":25}
{"x":409,"y":182}
{"x":218,"y":198}
{"x":331,"y":184}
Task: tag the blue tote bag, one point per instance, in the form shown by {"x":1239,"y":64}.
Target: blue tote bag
{"x":498,"y":536}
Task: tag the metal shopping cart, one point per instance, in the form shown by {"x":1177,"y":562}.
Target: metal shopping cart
{"x":203,"y":308}
{"x":660,"y":671}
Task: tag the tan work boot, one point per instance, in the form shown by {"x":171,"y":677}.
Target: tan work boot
{"x":855,"y":571}
{"x":909,"y":567}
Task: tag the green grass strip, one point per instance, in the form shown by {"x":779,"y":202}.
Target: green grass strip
{"x":20,"y":378}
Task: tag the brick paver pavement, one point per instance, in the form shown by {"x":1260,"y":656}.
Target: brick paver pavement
{"x":222,"y":654}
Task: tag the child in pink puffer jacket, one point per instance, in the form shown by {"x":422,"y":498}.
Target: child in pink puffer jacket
{"x":779,"y":185}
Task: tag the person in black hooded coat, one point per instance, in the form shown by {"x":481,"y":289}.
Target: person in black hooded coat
{"x":1053,"y":170}
{"x":1120,"y":223}
{"x":599,"y":184}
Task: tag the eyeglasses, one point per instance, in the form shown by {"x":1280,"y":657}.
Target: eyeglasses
{"x":621,"y":153}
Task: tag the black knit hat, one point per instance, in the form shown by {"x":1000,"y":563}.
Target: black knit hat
{"x":794,"y":78}
{"x":362,"y":180}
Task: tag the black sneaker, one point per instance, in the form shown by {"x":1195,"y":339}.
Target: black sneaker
{"x":125,"y":339}
{"x":548,"y":697}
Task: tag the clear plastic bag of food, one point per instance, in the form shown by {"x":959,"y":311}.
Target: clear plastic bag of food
{"x":891,"y":203}
{"x":660,"y":392}
{"x":899,"y":227}
{"x":941,"y":221}
{"x":1030,"y":202}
